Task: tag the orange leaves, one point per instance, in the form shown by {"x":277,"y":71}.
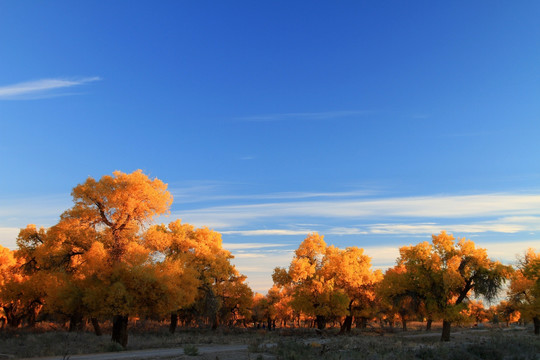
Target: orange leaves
{"x":326,"y":281}
{"x":524,"y":289}
{"x":443,"y":275}
{"x":124,"y":197}
{"x":7,"y":261}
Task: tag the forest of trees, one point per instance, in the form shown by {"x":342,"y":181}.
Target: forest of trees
{"x":105,"y":261}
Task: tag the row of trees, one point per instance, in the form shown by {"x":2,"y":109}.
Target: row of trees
{"x":103,"y":260}
{"x":432,"y":281}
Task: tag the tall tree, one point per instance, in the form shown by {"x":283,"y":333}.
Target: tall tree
{"x":396,"y":295}
{"x":446,"y":272}
{"x":524,"y":290}
{"x":352,"y":272}
{"x":222,"y":292}
{"x":314,"y":292}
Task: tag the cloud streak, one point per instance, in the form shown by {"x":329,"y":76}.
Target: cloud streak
{"x":324,"y":115}
{"x":428,"y":207}
{"x":200,"y":194}
{"x":250,"y":246}
{"x":41,"y":88}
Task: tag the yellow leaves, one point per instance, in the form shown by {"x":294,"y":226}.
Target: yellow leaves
{"x":281,"y":277}
{"x":443,"y":243}
{"x":95,"y":260}
{"x":446,"y":273}
{"x":325,"y":280}
{"x":524,"y":289}
{"x":313,"y":247}
{"x":124,"y":197}
{"x":301,"y":269}
{"x":7,"y":260}
{"x":30,"y":238}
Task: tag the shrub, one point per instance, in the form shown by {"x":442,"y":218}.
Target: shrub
{"x":191,"y":350}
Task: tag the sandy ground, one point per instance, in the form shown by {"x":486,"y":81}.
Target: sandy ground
{"x":226,"y":352}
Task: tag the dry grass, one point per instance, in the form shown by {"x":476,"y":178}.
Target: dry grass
{"x":284,"y":344}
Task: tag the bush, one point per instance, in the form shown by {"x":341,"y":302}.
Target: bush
{"x":191,"y":350}
{"x":113,"y":347}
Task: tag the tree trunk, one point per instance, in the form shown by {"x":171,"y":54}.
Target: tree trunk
{"x":75,"y":323}
{"x":446,"y":330}
{"x":404,"y":324}
{"x":321,"y":322}
{"x":269,"y":322}
{"x":97,"y":328}
{"x":363,"y":322}
{"x":215,"y":322}
{"x":13,"y":321}
{"x":428,"y":325}
{"x":346,"y":327}
{"x":536,"y":321}
{"x":174,"y":322}
{"x":119,"y":330}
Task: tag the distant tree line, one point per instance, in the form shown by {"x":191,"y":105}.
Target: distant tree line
{"x":103,"y":260}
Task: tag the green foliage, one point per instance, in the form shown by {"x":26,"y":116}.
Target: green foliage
{"x":256,"y":345}
{"x":113,"y":347}
{"x":191,"y":350}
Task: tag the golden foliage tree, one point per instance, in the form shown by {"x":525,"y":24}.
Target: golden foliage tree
{"x":222,"y":293}
{"x":524,"y":292}
{"x":95,"y":261}
{"x":314,"y":287}
{"x":24,"y":291}
{"x":446,"y":272}
{"x":352,"y":272}
{"x":396,"y":295}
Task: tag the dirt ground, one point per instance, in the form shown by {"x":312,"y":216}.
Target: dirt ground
{"x":249,"y":344}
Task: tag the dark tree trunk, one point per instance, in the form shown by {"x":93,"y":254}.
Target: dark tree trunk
{"x":97,"y":328}
{"x":404,"y":324}
{"x":363,"y":322}
{"x":346,"y":327}
{"x":321,"y":322}
{"x":536,"y":321}
{"x":13,"y":320}
{"x":428,"y":325}
{"x":75,"y":323}
{"x":215,"y":322}
{"x":446,"y":330}
{"x":119,"y":330}
{"x":174,"y":322}
{"x":269,"y":322}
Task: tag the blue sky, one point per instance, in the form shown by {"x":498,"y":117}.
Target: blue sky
{"x":373,"y":123}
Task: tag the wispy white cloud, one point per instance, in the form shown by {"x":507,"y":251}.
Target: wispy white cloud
{"x":343,"y":230}
{"x":16,"y":213}
{"x":249,"y":255}
{"x":508,"y":252}
{"x":259,"y":266}
{"x":8,"y":237}
{"x":266,"y":232}
{"x":206,"y":192}
{"x":323,"y":115}
{"x":442,"y":206}
{"x":245,"y":246}
{"x":509,"y":225}
{"x":40,"y":88}
{"x":39,"y":208}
